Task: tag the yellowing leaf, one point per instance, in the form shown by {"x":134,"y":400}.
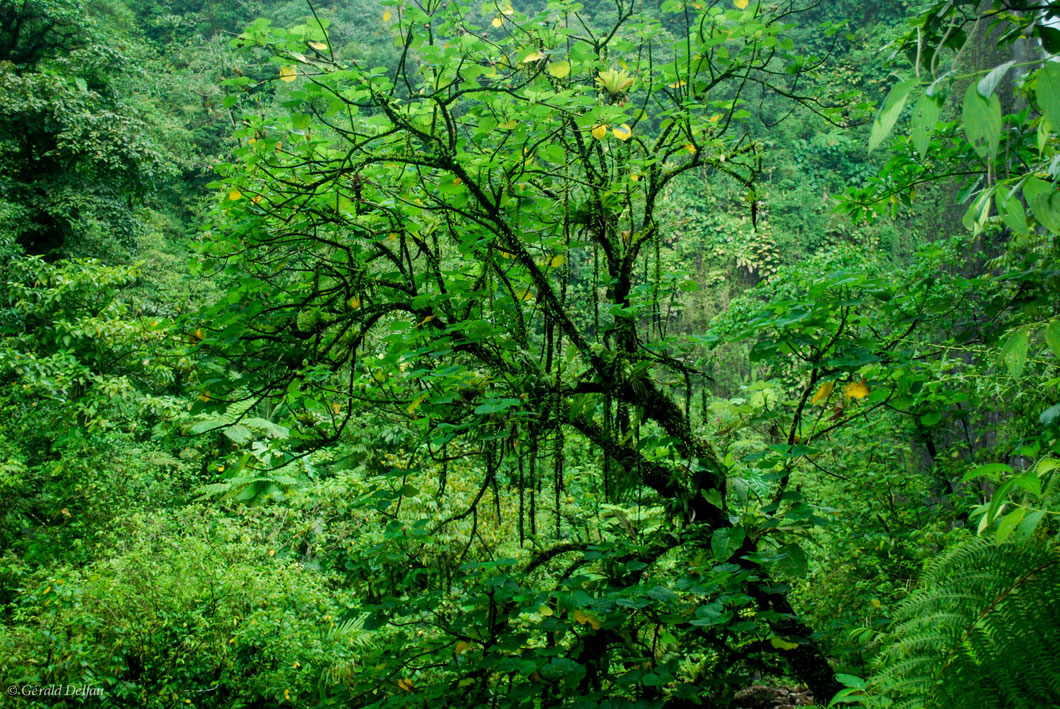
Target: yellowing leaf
{"x":677,"y":84}
{"x":497,"y":21}
{"x":508,"y":125}
{"x":272,"y":552}
{"x":742,"y":4}
{"x":545,"y":611}
{"x":405,"y":683}
{"x":288,"y":73}
{"x":623,"y":132}
{"x":585,"y":618}
{"x":387,"y":15}
{"x":506,"y":9}
{"x":532,"y":57}
{"x":600,"y":131}
{"x":856,"y":390}
{"x":875,"y":603}
{"x":559,"y":69}
{"x":319,"y":46}
{"x":776,"y":641}
{"x":556,"y":261}
{"x":525,"y":294}
{"x":425,"y":320}
{"x":457,"y":181}
{"x":256,"y":198}
{"x":461,"y":647}
{"x":690,"y":148}
{"x":354,"y":303}
{"x":415,"y":405}
{"x":234,"y":195}
{"x":824,"y":392}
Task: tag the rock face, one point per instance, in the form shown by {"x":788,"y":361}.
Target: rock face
{"x":760,"y":696}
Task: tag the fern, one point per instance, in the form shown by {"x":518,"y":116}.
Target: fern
{"x":351,"y":632}
{"x":983,"y":631}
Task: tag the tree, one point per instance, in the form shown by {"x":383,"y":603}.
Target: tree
{"x":469,"y":244}
{"x":76,"y":156}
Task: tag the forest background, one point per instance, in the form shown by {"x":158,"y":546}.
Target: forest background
{"x":533,"y":354}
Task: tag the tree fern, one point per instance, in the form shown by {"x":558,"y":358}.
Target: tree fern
{"x":983,"y":631}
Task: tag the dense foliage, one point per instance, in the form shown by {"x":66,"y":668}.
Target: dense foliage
{"x":529,"y":354}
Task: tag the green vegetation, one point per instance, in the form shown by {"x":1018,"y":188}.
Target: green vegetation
{"x":529,"y":354}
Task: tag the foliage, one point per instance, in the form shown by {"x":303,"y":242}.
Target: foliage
{"x":186,"y":611}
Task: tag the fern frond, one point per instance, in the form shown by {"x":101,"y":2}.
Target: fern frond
{"x":983,"y":631}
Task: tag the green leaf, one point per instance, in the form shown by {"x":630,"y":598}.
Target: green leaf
{"x":1011,"y":210}
{"x":1005,"y":527}
{"x":989,"y":82}
{"x":888,"y":115}
{"x":1047,"y":92}
{"x":925,"y":116}
{"x":982,"y":122}
{"x":1014,"y":353}
{"x":1044,"y":201}
{"x":1050,"y":37}
{"x":990,"y":470}
{"x":850,"y":681}
{"x":725,"y":542}
{"x":1052,"y":336}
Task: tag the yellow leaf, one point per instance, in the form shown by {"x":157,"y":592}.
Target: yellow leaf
{"x":405,"y":684}
{"x":354,"y":303}
{"x":559,"y":69}
{"x":690,"y":148}
{"x":288,"y":73}
{"x":776,"y":641}
{"x":256,"y":198}
{"x":425,"y":320}
{"x":823,"y":393}
{"x":875,"y":603}
{"x":46,"y":591}
{"x":416,"y":403}
{"x":556,"y":261}
{"x":678,"y":84}
{"x":387,"y":15}
{"x":336,"y":408}
{"x":319,"y":46}
{"x":856,"y":390}
{"x":525,"y":294}
{"x":461,"y":647}
{"x":234,"y":195}
{"x":272,"y":552}
{"x":506,"y":9}
{"x":508,"y":125}
{"x":587,"y":619}
{"x":742,"y":4}
{"x":600,"y":131}
{"x":532,"y":57}
{"x":457,"y":181}
{"x":497,"y":21}
{"x":623,"y":132}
